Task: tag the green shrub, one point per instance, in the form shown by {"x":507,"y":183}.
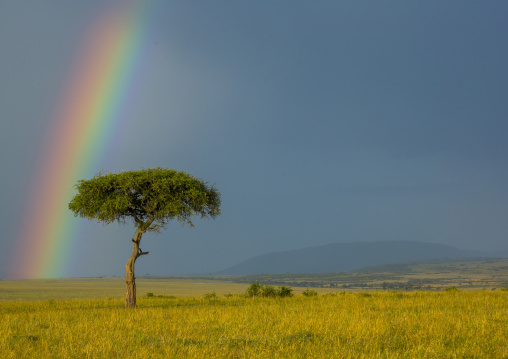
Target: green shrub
{"x":211,"y":295}
{"x":451,"y":289}
{"x":309,"y":293}
{"x":149,"y":294}
{"x":285,"y":291}
{"x":254,"y":290}
{"x":263,"y":290}
{"x":268,"y":291}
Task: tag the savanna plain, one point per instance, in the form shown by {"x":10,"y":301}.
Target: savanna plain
{"x":196,"y":318}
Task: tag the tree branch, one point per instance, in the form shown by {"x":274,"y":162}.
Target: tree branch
{"x":147,"y":224}
{"x":134,"y":215}
{"x":140,"y":252}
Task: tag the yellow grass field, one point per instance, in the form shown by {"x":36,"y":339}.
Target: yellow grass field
{"x":448,"y":324}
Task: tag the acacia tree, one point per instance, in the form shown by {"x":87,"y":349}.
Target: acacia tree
{"x":150,"y":198}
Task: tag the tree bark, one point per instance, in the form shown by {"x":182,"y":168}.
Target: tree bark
{"x":130,"y":279}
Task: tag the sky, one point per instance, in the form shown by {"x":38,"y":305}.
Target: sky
{"x":319,"y":122}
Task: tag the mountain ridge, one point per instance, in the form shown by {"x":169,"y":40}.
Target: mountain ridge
{"x":341,"y":257}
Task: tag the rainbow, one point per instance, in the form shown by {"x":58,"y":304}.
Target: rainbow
{"x":96,"y":93}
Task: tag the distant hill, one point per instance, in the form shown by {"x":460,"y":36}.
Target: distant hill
{"x":341,"y":257}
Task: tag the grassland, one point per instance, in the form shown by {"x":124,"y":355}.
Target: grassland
{"x":437,"y":275}
{"x":448,"y":324}
{"x":209,"y":317}
{"x":465,"y":274}
{"x":103,"y":288}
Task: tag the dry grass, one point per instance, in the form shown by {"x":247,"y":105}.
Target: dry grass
{"x":100,"y":288}
{"x":448,"y":324}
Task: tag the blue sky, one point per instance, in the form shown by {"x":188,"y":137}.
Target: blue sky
{"x":319,"y":122}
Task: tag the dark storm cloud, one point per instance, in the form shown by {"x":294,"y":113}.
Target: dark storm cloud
{"x":324,"y":122}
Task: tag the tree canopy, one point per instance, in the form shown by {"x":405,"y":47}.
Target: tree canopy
{"x":150,"y":197}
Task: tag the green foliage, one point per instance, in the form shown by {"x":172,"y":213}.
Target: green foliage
{"x":504,"y":289}
{"x":211,"y":295}
{"x":258,"y":290}
{"x":285,"y":291}
{"x":451,"y":289}
{"x":149,"y":294}
{"x":268,"y":291}
{"x":254,"y":290}
{"x":150,"y":197}
{"x":309,"y":293}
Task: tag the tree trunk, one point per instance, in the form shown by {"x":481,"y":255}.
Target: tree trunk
{"x":130,"y":279}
